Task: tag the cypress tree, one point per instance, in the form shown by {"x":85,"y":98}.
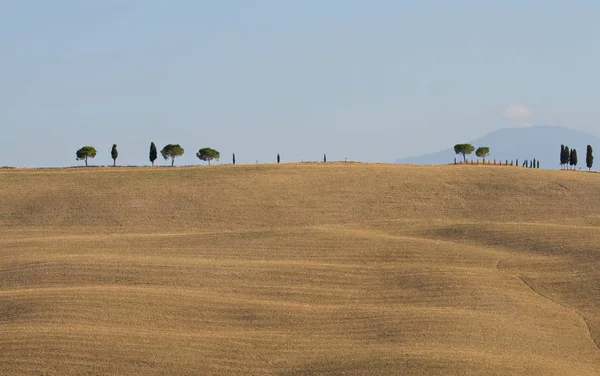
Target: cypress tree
{"x":233,"y":158}
{"x":517,"y":163}
{"x":575,"y":161}
{"x":567,"y":157}
{"x":114,"y":154}
{"x":589,"y":157}
{"x":278,"y":158}
{"x":153,"y":153}
{"x":324,"y":157}
{"x":538,"y":164}
{"x":562,"y":156}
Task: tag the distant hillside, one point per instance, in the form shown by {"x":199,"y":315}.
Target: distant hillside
{"x":540,"y":142}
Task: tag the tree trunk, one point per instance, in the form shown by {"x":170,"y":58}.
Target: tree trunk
{"x":86,"y":162}
{"x":115,"y":164}
{"x":172,"y":161}
{"x":464,"y":157}
{"x":209,"y":162}
{"x":152,"y":163}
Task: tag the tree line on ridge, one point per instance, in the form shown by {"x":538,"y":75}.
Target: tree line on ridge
{"x":170,"y":151}
{"x":568,"y":157}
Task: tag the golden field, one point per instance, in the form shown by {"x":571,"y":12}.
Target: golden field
{"x":299,"y":269}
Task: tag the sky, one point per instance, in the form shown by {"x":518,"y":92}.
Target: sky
{"x":365,"y":80}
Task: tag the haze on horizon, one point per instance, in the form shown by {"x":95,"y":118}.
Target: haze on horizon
{"x":369,"y":81}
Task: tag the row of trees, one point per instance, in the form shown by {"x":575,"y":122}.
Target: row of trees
{"x":465,"y":149}
{"x":170,"y":151}
{"x":568,"y":157}
{"x":484,"y":151}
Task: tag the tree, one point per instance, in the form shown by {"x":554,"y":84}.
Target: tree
{"x":114,"y":154}
{"x":464,"y":149}
{"x":589,"y":157}
{"x":563,"y":159}
{"x":324,"y":157}
{"x":153,"y":154}
{"x":278,"y":158}
{"x":233,"y":158}
{"x":573,"y":158}
{"x":208,"y":154}
{"x":86,"y":152}
{"x":567,"y":157}
{"x":482,"y":152}
{"x":172,"y":151}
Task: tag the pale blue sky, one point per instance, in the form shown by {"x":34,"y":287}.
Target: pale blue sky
{"x":367,"y":80}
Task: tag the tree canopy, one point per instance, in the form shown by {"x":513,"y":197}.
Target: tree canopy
{"x":114,"y":154}
{"x":153,"y":153}
{"x":482,"y":152}
{"x":464,"y":149}
{"x":208,"y":154}
{"x":86,"y":152}
{"x":172,"y":151}
{"x":589,"y":157}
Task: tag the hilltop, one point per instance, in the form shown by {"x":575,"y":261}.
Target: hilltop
{"x":539,"y":142}
{"x":299,"y":269}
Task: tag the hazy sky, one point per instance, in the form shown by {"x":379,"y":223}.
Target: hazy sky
{"x":368,"y":80}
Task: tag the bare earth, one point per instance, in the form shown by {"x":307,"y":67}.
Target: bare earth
{"x":300,"y":269}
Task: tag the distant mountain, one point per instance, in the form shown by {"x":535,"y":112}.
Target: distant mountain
{"x":541,"y":142}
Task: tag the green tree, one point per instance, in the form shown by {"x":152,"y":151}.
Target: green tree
{"x":563,"y":157}
{"x":482,"y":152}
{"x":86,"y":152}
{"x":208,"y":154}
{"x":464,"y":149}
{"x":324,"y":157}
{"x":573,"y":160}
{"x":172,"y":151}
{"x":114,"y":154}
{"x":153,"y":153}
{"x":233,"y":158}
{"x":589,"y":157}
{"x":278,"y":158}
{"x":567,"y":157}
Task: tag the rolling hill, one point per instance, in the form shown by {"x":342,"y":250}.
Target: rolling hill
{"x":299,"y":269}
{"x":539,"y":142}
